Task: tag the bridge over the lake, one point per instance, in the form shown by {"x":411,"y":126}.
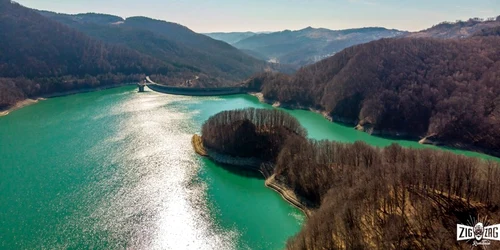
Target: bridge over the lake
{"x":195,"y":91}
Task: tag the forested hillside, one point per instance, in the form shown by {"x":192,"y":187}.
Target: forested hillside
{"x":43,"y":55}
{"x":390,"y":198}
{"x":446,"y":89}
{"x":361,"y":197}
{"x":458,"y":29}
{"x":216,"y":61}
{"x":40,"y":56}
{"x":493,"y":31}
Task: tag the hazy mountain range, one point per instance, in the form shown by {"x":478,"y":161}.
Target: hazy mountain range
{"x":309,"y":45}
{"x":231,"y":37}
{"x":302,"y":47}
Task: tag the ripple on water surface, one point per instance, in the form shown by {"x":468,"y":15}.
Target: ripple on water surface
{"x":158,"y":203}
{"x":115,"y":169}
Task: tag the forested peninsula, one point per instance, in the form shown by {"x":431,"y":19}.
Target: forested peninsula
{"x":356,"y":196}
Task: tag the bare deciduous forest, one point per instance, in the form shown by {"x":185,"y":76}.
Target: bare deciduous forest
{"x":447,"y":89}
{"x":365,"y":197}
{"x":390,"y":198}
{"x":169,"y":42}
{"x":495,"y":31}
{"x":40,"y":56}
{"x":458,"y":29}
{"x":250,"y":132}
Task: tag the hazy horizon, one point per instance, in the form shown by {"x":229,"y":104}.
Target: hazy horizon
{"x":261,"y":16}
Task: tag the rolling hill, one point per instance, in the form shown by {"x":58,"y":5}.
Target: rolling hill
{"x":169,"y":42}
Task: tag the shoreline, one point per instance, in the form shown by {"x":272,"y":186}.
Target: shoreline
{"x":20,"y":105}
{"x":425,"y":140}
{"x":198,"y":145}
{"x":86,"y":90}
{"x":285,"y":192}
{"x":29,"y":101}
{"x":394,"y":135}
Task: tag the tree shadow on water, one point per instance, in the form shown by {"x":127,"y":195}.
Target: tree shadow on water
{"x":239,"y":170}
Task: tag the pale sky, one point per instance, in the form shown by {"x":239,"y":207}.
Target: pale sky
{"x":274,"y":15}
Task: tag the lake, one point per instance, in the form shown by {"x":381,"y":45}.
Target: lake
{"x":115,"y":169}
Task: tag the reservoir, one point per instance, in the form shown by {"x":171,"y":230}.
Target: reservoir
{"x":115,"y":169}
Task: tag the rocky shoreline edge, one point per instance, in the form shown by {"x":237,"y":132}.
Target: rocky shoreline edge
{"x":270,"y":181}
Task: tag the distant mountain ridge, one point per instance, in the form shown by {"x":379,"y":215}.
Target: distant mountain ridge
{"x":230,"y":37}
{"x":309,"y":45}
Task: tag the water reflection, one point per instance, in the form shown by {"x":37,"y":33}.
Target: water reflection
{"x":158,"y":203}
{"x":114,"y":169}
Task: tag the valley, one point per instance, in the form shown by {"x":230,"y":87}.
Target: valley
{"x":148,"y":129}
{"x":306,"y":46}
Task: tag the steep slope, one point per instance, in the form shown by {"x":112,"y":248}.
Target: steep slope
{"x":220,"y":54}
{"x":230,"y":37}
{"x":460,"y":29}
{"x":446,"y":90}
{"x":390,"y":198}
{"x":310,"y":45}
{"x":356,"y":196}
{"x":169,"y":42}
{"x":40,"y":56}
